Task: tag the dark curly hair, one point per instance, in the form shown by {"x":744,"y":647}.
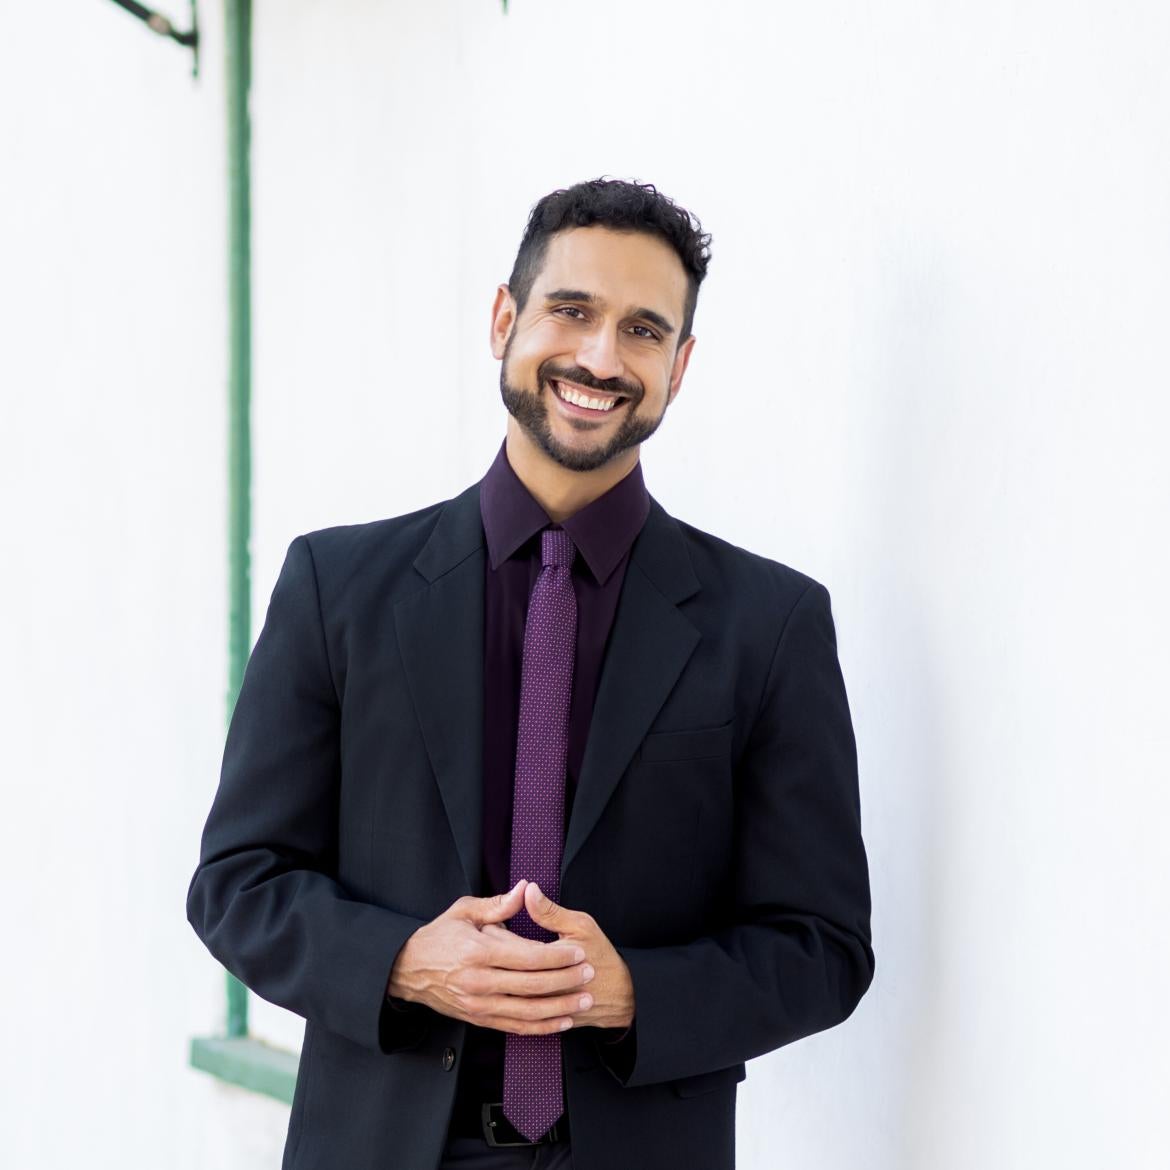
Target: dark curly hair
{"x":622,"y":206}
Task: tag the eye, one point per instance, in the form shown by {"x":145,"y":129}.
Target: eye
{"x":647,"y":332}
{"x":569,"y":309}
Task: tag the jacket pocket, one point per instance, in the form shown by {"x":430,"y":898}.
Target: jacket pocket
{"x":708,"y":1082}
{"x":691,"y":744}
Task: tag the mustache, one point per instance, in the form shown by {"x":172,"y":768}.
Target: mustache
{"x":586,"y":379}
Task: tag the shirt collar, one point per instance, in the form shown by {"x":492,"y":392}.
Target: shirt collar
{"x":603,"y":530}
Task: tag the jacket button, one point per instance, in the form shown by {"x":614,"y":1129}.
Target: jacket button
{"x":448,"y":1059}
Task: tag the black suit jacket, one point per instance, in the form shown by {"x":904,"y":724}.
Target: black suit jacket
{"x":715,"y":834}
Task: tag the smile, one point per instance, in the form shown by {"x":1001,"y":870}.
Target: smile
{"x":588,"y":401}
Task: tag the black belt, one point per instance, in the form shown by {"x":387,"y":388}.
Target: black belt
{"x":497,"y":1130}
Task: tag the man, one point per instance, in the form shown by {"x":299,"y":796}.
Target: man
{"x":538,"y":804}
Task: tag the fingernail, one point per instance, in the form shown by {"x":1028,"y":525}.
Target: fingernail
{"x":586,"y":973}
{"x":566,"y":1024}
{"x":586,"y":1002}
{"x":578,"y":955}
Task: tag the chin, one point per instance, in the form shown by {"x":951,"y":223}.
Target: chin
{"x":587,"y":459}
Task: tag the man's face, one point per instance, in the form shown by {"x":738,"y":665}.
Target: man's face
{"x":601,"y":323}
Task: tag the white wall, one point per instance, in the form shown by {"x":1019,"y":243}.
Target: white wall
{"x":112,"y":482}
{"x":931,"y":372}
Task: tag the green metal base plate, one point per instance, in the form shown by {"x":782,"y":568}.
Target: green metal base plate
{"x":249,"y":1063}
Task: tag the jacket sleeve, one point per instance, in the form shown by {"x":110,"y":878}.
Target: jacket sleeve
{"x":796,"y":956}
{"x":265,"y":897}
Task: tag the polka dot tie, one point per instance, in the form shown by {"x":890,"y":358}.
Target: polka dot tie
{"x":533,"y":1097}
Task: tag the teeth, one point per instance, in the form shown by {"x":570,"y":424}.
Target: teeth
{"x":578,"y":399}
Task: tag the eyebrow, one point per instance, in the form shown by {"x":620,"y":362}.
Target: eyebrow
{"x":587,"y":298}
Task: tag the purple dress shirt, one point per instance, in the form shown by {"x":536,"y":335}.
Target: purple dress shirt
{"x":604,"y":532}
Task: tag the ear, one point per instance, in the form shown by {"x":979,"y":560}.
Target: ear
{"x":681,"y":358}
{"x":503,"y":320}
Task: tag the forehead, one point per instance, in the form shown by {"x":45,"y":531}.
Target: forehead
{"x":622,"y":269}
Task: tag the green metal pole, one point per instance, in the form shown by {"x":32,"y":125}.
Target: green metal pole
{"x":238,"y":38}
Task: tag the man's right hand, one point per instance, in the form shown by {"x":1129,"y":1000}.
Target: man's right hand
{"x":465,"y":965}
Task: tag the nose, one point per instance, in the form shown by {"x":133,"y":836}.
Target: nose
{"x":598,"y":353}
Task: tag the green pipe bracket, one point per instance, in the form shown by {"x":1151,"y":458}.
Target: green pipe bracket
{"x":157,"y":23}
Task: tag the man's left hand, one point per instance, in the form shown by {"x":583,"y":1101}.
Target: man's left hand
{"x":611,"y":987}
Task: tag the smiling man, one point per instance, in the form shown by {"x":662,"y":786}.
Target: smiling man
{"x":538,"y":804}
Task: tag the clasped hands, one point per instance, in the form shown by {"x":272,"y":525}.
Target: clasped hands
{"x":466,"y":965}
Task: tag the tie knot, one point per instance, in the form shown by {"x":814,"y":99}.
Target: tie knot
{"x":556,"y":548}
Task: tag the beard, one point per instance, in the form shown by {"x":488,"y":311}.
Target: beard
{"x":529,"y":409}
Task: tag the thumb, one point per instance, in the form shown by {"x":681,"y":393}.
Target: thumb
{"x":500,"y":907}
{"x":542,"y":908}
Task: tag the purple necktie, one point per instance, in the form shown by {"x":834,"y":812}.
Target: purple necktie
{"x":532,"y":1064}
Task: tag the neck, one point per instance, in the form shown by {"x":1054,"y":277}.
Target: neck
{"x":559,"y":491}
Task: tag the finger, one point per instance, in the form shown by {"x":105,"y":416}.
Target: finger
{"x":497,"y":908}
{"x":501,"y":981}
{"x":513,"y":953}
{"x":526,"y":1027}
{"x":525,"y":1009}
{"x":536,"y":983}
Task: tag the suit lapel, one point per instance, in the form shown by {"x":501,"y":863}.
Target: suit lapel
{"x":649,"y":646}
{"x":440,"y":633}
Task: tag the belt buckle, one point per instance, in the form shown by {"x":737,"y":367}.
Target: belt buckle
{"x":497,"y":1128}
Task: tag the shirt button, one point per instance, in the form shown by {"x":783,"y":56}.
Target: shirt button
{"x":448,"y":1059}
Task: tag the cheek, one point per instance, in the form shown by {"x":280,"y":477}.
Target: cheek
{"x":534,"y":349}
{"x":656,"y":380}
{"x":520,"y":368}
{"x":549,"y":337}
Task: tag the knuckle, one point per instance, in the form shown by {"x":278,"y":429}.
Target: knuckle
{"x":462,"y":983}
{"x":467,"y":951}
{"x":471,"y":981}
{"x":475,"y":1006}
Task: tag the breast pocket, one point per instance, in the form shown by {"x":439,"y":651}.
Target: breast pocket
{"x":692,"y":743}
